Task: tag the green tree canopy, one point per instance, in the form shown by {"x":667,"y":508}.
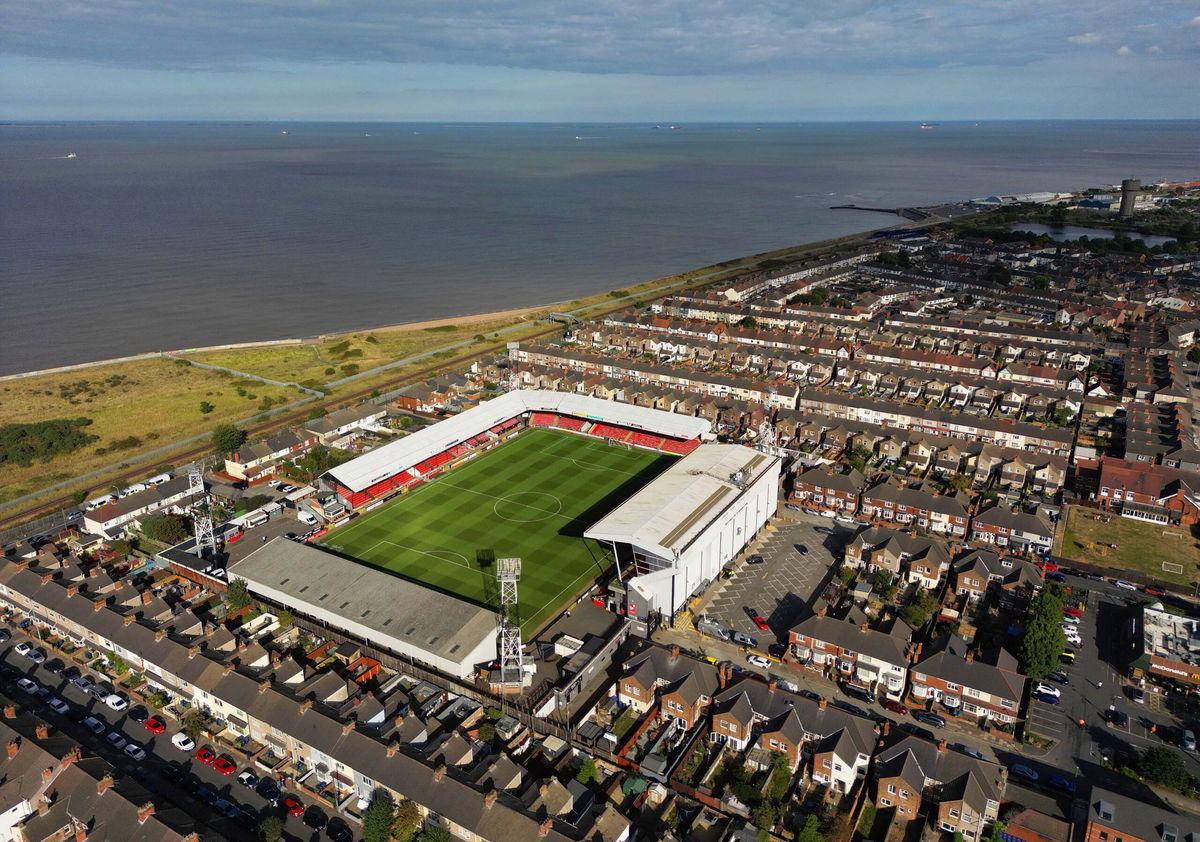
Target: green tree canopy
{"x":227,"y":438}
{"x":434,"y":833}
{"x":406,"y":822}
{"x":270,"y":829}
{"x":1165,"y":766}
{"x":378,"y":819}
{"x":166,"y":529}
{"x":22,"y":444}
{"x":588,"y":773}
{"x":1044,"y":638}
{"x":237,"y":595}
{"x":811,"y":830}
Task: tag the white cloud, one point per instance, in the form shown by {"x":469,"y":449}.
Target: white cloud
{"x":1124,"y":50}
{"x":1195,"y":21}
{"x":1086,"y":38}
{"x":1157,"y":50}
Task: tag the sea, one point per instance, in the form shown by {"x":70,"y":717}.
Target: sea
{"x":122,"y":238}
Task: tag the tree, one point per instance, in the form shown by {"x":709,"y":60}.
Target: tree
{"x":21,"y":444}
{"x":434,"y":833}
{"x":1044,"y":639}
{"x":286,"y":618}
{"x":811,"y":831}
{"x":1193,"y":356}
{"x":407,"y":821}
{"x":227,"y":438}
{"x":858,"y":457}
{"x":960,"y":482}
{"x":998,"y":274}
{"x":270,"y":829}
{"x":377,"y":821}
{"x":748,"y":322}
{"x":588,"y":773}
{"x":206,"y":407}
{"x":166,"y":529}
{"x":79,"y":496}
{"x":764,"y":815}
{"x":487,"y":732}
{"x":194,"y":724}
{"x":1165,"y":766}
{"x":1041,"y":282}
{"x":237,"y":595}
{"x":122,"y":546}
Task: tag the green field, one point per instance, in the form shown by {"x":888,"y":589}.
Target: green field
{"x":532,"y":498}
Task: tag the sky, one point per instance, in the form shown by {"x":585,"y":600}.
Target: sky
{"x":603,"y":60}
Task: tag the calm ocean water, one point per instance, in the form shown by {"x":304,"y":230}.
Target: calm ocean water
{"x":164,"y":236}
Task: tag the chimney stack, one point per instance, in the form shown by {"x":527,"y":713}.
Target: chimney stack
{"x":490,"y":798}
{"x":941,"y":745}
{"x":439,"y":773}
{"x":264,"y":685}
{"x":43,"y":806}
{"x":72,"y":756}
{"x":347,"y":727}
{"x":821,"y":611}
{"x":42,"y":731}
{"x":675,"y":651}
{"x":969,"y":656}
{"x":12,"y":748}
{"x":822,"y":702}
{"x":545,"y":828}
{"x":10,"y":711}
{"x":392,"y":749}
{"x":81,"y":833}
{"x":145,"y":811}
{"x":305,"y":706}
{"x":159,"y":634}
{"x":104,"y":784}
{"x":885,"y":728}
{"x":47,"y":774}
{"x":772,"y":683}
{"x":128,"y":619}
{"x":862,"y":626}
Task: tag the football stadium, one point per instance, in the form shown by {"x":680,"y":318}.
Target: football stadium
{"x":567,"y":483}
{"x":532,"y":497}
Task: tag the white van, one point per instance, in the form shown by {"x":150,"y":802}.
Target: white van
{"x":256,"y":519}
{"x":134,"y":489}
{"x":158,"y":480}
{"x":92,"y":505}
{"x":306,"y":517}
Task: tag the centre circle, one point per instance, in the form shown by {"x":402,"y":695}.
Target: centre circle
{"x":527,"y":506}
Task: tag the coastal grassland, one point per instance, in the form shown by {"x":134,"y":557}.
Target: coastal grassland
{"x":134,"y":407}
{"x":1141,"y":546}
{"x":532,"y":498}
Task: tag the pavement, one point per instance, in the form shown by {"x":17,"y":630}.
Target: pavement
{"x":159,"y":749}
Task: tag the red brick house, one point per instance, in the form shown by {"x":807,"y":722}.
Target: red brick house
{"x":1145,"y":491}
{"x":827,"y":491}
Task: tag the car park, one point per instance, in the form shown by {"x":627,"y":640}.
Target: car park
{"x":1128,"y":586}
{"x":27,"y":684}
{"x":183,"y":742}
{"x":136,"y":752}
{"x":929,"y":719}
{"x":759,"y":661}
{"x":155,"y":725}
{"x":58,"y":705}
{"x":117,"y":740}
{"x":1023,"y":771}
{"x":1047,"y":690}
{"x":94,"y":725}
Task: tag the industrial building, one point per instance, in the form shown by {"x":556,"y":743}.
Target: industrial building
{"x":676,"y":534}
{"x":397,"y":615}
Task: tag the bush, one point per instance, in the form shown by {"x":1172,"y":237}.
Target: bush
{"x":206,"y":407}
{"x":21,"y":444}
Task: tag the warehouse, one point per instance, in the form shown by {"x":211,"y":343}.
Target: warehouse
{"x":382,"y":610}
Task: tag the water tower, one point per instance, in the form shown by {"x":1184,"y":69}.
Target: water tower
{"x":1129,"y":192}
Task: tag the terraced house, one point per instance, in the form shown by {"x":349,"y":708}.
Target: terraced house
{"x":681,"y":687}
{"x":915,"y":507}
{"x":854,"y":652}
{"x":829,"y":491}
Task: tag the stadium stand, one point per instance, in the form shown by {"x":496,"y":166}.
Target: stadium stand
{"x":543,"y":419}
{"x":646,"y":440}
{"x":682,"y":448}
{"x":567,"y":423}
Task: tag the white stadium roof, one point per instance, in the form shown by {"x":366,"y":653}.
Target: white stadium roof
{"x":390,"y":459}
{"x":678,"y":505}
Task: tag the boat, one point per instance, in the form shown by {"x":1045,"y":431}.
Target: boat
{"x":284,"y":131}
{"x":72,"y":155}
{"x":927,"y":125}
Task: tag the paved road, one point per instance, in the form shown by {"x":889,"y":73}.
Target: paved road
{"x":159,"y":748}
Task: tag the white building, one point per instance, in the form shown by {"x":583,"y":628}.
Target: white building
{"x":676,"y":534}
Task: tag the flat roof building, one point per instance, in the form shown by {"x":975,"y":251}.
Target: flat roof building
{"x":387,"y":611}
{"x":1165,"y":644}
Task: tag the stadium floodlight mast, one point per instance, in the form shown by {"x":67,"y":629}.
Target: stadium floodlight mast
{"x":206,"y":538}
{"x":508,"y":573}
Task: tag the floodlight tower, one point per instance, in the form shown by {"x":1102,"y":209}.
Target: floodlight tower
{"x":206,"y":539}
{"x":508,"y":573}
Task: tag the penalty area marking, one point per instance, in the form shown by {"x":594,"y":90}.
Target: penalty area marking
{"x":440,"y":555}
{"x":1173,"y":567}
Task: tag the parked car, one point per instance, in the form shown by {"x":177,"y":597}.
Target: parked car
{"x":852,"y":708}
{"x":71,"y":673}
{"x":894,"y":707}
{"x":754,"y":559}
{"x":759,"y":661}
{"x":1046,"y":700}
{"x":744,"y":639}
{"x":1061,"y":783}
{"x":761,"y":623}
{"x":1059,"y":677}
{"x":117,"y":740}
{"x":1138,"y":695}
{"x":27,"y":684}
{"x":183,"y":742}
{"x":1047,"y":689}
{"x":136,"y":752}
{"x":23,"y":648}
{"x":1066,"y":657}
{"x":248,"y":779}
{"x":1023,"y":771}
{"x":339,"y":831}
{"x":315,"y":818}
{"x":825,"y":530}
{"x":929,"y":719}
{"x":58,"y":705}
{"x":1188,"y":740}
{"x":116,"y":701}
{"x":138,"y":713}
{"x":94,"y":725}
{"x":802,"y":549}
{"x":1072,"y":611}
{"x":1117,"y":718}
{"x":53,"y":666}
{"x":306,"y":517}
{"x":1153,"y":591}
{"x":858,"y":692}
{"x":268,"y":789}
{"x":968,"y":751}
{"x":83,"y":683}
{"x":224,"y":765}
{"x":1055,"y":577}
{"x":291,"y":805}
{"x":205,"y":756}
{"x":1123,"y":585}
{"x":154,"y":725}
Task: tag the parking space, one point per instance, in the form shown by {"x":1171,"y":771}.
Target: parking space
{"x":785,"y":582}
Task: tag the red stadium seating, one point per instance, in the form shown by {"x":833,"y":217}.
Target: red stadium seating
{"x":358,"y":498}
{"x":607,"y":431}
{"x":379,"y":488}
{"x":565,"y":422}
{"x":683,"y":448}
{"x":638,"y":439}
{"x":543,"y":419}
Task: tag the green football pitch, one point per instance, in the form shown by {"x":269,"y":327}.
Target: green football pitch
{"x":532,"y":498}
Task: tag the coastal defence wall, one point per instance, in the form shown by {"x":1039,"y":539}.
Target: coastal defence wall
{"x":149,"y":355}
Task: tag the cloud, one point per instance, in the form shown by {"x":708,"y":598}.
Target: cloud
{"x":1195,"y":21}
{"x":1156,"y":50}
{"x":666,"y":37}
{"x":1124,"y":50}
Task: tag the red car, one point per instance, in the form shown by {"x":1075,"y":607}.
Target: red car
{"x":1048,"y":566}
{"x":1154,"y":591}
{"x":155,"y":725}
{"x":205,"y":756}
{"x":894,"y":707}
{"x":1072,"y":612}
{"x":224,"y":765}
{"x":761,"y":623}
{"x":291,"y":806}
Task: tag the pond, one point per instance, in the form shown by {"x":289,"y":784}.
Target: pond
{"x":1065,"y":233}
